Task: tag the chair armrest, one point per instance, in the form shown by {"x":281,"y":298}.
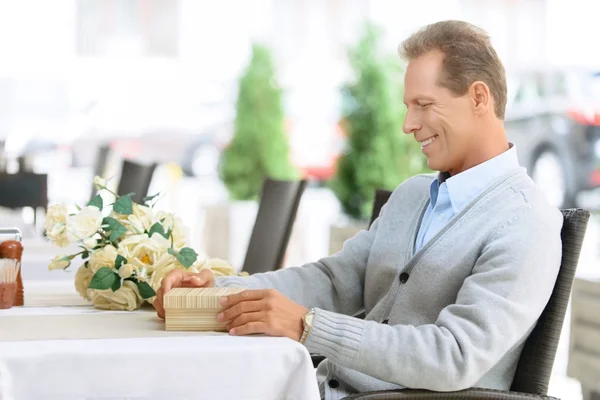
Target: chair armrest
{"x":468,"y":394}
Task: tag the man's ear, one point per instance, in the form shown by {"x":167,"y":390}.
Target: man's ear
{"x":481,"y":99}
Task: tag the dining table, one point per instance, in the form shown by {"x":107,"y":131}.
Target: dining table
{"x":59,"y":347}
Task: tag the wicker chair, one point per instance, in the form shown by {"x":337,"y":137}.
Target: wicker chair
{"x":535,"y":365}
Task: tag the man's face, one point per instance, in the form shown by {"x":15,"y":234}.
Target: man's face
{"x":440,"y":121}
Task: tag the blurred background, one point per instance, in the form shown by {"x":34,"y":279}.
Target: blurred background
{"x":221,"y":94}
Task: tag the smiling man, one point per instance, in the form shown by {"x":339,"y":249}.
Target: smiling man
{"x":446,"y":274}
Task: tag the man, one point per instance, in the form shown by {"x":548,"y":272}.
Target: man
{"x":458,"y":267}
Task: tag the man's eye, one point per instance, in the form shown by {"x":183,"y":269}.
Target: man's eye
{"x":423,"y":105}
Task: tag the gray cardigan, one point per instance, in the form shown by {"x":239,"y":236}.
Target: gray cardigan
{"x":451,"y":316}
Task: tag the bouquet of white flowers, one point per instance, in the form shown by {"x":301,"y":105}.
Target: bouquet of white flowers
{"x":126,"y":249}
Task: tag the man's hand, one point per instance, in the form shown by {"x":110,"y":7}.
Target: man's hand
{"x":262,"y":311}
{"x":179,"y":278}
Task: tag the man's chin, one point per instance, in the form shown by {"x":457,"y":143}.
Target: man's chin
{"x":433,"y":165}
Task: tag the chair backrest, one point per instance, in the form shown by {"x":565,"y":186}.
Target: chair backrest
{"x":135,"y":178}
{"x":535,"y":365}
{"x":537,"y":358}
{"x":273,"y":226}
{"x":381,"y":197}
{"x":100,"y":165}
{"x":24,"y":189}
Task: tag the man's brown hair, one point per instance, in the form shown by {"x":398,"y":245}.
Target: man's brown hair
{"x":469,"y":57}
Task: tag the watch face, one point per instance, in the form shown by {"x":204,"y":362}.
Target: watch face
{"x":308,"y":318}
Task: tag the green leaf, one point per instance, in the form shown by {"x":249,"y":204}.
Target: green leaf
{"x":96,"y":202}
{"x":158,"y":228}
{"x":103,"y":279}
{"x":187,"y":257}
{"x":116,"y":284}
{"x":173,"y":252}
{"x":150,"y":198}
{"x":146,"y":290}
{"x":78,"y":208}
{"x":85,"y":253}
{"x":119,"y":261}
{"x":124,"y":205}
{"x":115,"y":227}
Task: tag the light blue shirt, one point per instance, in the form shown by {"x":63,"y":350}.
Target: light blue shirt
{"x":449,"y":196}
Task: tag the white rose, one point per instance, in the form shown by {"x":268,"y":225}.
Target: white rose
{"x":144,"y":252}
{"x":136,"y":225}
{"x":126,"y":298}
{"x":83,"y":277}
{"x":90,"y":243}
{"x":126,"y":271}
{"x":85,"y":223}
{"x":55,"y":225}
{"x":57,"y":214}
{"x":167,"y":220}
{"x":158,"y":275}
{"x":59,"y":262}
{"x":58,"y":235}
{"x":163,"y":261}
{"x":179,"y":233}
{"x":120,"y":217}
{"x":144,"y":214}
{"x":142,"y":274}
{"x":104,"y":257}
{"x":100,"y":182}
{"x":174,"y":223}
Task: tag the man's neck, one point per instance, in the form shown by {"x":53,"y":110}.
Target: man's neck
{"x":494,"y":144}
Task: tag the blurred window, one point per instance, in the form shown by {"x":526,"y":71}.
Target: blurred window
{"x":128,"y":27}
{"x":529,"y":92}
{"x":559,"y":85}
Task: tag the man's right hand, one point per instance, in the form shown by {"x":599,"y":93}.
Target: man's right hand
{"x":179,"y":278}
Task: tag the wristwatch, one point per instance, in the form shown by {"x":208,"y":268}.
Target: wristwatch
{"x":307,"y":321}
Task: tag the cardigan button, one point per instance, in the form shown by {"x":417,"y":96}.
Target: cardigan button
{"x":333,"y":384}
{"x":403,"y":277}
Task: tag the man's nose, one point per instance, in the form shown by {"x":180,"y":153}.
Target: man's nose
{"x":411,"y":124}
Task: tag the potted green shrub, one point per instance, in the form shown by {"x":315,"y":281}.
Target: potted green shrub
{"x":378,"y":154}
{"x":259,"y":149}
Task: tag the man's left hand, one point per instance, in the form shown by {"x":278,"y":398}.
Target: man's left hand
{"x":262,"y":311}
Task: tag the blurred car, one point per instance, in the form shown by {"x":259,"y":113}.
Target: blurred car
{"x":553,"y":117}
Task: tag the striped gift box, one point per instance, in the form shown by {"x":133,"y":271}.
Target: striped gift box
{"x":195,"y":309}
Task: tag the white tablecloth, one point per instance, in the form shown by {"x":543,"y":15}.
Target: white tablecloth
{"x":151,"y":368}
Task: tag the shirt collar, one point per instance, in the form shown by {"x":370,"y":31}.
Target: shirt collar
{"x":464,"y":187}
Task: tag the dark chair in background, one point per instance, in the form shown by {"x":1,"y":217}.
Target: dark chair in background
{"x":135,"y":178}
{"x":381,"y":197}
{"x":100,"y":165}
{"x":536,"y":361}
{"x":24,"y":189}
{"x":273,"y":226}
